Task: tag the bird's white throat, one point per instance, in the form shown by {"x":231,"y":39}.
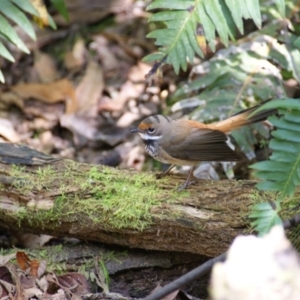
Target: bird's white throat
{"x":148,"y":137}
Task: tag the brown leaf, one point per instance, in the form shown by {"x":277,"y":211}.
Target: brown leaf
{"x":168,"y":297}
{"x":131,"y":89}
{"x":42,"y":268}
{"x":45,"y":67}
{"x":75,"y":58}
{"x":34,"y":266}
{"x":5,"y":275}
{"x":42,"y":10}
{"x":8,"y":132}
{"x":89,"y":90}
{"x":27,"y":281}
{"x":23,"y":260}
{"x":4,"y":259}
{"x":61,"y":90}
{"x":107,"y":57}
{"x":74,"y":283}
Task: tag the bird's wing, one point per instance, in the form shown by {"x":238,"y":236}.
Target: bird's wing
{"x":202,"y":144}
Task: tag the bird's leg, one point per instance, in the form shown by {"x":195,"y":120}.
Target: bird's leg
{"x":159,"y":176}
{"x":187,"y":182}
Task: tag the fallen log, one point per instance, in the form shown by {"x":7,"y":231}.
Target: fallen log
{"x":64,"y":198}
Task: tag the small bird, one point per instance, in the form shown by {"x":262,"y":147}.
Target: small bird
{"x":186,"y":142}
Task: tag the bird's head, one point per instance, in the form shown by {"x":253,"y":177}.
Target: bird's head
{"x":153,"y":128}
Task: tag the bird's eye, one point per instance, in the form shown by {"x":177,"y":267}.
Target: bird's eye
{"x":151,"y":130}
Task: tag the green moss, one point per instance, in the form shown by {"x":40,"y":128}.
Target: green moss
{"x":104,"y":195}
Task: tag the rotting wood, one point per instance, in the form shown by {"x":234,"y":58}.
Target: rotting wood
{"x":203,"y":220}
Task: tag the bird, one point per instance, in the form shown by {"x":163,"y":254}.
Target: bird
{"x":187,"y":142}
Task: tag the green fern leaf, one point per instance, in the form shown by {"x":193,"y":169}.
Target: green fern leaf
{"x":254,"y":11}
{"x":281,"y":7}
{"x":238,"y":10}
{"x":208,"y":26}
{"x":297,"y":42}
{"x":282,"y":172}
{"x":266,"y":216}
{"x":61,"y":7}
{"x":229,"y":20}
{"x":154,"y":57}
{"x":5,"y":53}
{"x":15,"y":14}
{"x":11,"y":35}
{"x":214,"y":10}
{"x":51,"y":22}
{"x":26,"y":6}
{"x":174,"y":4}
{"x":176,"y":40}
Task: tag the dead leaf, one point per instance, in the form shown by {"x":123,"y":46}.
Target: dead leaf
{"x":9,"y":98}
{"x":85,"y":12}
{"x":8,"y":289}
{"x":75,"y":58}
{"x":119,"y":101}
{"x":135,"y":158}
{"x":61,"y":90}
{"x":15,"y":289}
{"x":79,"y":125}
{"x":49,"y":112}
{"x":33,"y":293}
{"x":106,"y":56}
{"x":133,"y":88}
{"x":168,"y":297}
{"x":73,"y":283}
{"x":45,"y":67}
{"x":27,"y":280}
{"x":23,"y":260}
{"x":8,"y":132}
{"x":42,"y":10}
{"x":4,"y":259}
{"x":34,"y":266}
{"x":127,"y":119}
{"x":89,"y":90}
{"x":42,"y":268}
{"x":137,"y":73}
{"x":42,"y":282}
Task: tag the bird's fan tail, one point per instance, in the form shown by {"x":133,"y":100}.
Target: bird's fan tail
{"x":243,"y":118}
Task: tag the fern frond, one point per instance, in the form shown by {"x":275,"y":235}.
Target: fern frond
{"x":236,"y":76}
{"x":178,"y":41}
{"x":282,"y":172}
{"x":266,"y":216}
{"x":13,"y":10}
{"x":281,"y":7}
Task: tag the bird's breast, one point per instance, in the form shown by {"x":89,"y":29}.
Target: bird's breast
{"x":153,"y":149}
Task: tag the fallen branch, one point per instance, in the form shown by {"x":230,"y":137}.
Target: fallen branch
{"x":122,"y":207}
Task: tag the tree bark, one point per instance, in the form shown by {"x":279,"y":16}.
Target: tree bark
{"x":67,"y":198}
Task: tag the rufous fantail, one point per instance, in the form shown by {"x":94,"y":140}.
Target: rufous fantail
{"x":186,"y":142}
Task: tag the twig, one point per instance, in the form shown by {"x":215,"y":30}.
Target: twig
{"x":185,"y":279}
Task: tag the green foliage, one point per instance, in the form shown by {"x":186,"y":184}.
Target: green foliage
{"x":14,"y":10}
{"x":178,"y":40}
{"x":266,"y":216}
{"x":60,"y":5}
{"x":239,"y":75}
{"x":282,"y":172}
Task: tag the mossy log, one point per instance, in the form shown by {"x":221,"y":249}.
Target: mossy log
{"x":122,"y":207}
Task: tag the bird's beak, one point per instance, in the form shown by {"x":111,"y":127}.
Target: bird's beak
{"x":134,"y":130}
